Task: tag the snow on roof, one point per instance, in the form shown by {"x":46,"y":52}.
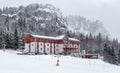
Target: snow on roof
{"x":54,"y":38}
{"x":44,"y":37}
{"x":73,"y":39}
{"x":61,"y":36}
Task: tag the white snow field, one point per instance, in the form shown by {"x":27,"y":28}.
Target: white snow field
{"x":12,"y":63}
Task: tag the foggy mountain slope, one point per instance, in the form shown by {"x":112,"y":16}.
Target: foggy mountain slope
{"x":85,"y":26}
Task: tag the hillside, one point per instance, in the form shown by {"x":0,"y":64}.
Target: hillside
{"x":12,"y":63}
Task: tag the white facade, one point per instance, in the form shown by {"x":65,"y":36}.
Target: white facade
{"x":41,"y":47}
{"x":33,"y":47}
{"x":47,"y":48}
{"x":70,"y":46}
{"x":27,"y":47}
{"x":56,"y":48}
{"x":60,"y":48}
{"x":76,"y":46}
{"x":52,"y":47}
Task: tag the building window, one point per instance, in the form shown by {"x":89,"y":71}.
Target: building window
{"x":56,"y":45}
{"x":41,"y":44}
{"x":70,"y":45}
{"x":47,"y":49}
{"x":40,"y":48}
{"x":76,"y":46}
{"x":32,"y":44}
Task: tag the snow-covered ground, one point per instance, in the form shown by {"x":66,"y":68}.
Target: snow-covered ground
{"x":12,"y":63}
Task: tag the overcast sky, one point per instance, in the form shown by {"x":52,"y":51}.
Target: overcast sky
{"x":107,"y":11}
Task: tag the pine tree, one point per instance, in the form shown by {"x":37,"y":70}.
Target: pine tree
{"x":113,"y":56}
{"x":112,"y":52}
{"x":1,"y":39}
{"x":119,"y":57}
{"x":109,"y":54}
{"x":7,"y":41}
{"x":105,"y":49}
{"x":105,"y":52}
{"x":81,"y":36}
{"x":16,"y":39}
{"x":11,"y":43}
{"x":90,"y":36}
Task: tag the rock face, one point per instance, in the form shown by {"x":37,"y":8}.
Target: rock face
{"x":42,"y":19}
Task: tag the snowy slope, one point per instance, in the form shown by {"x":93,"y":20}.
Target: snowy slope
{"x":12,"y":63}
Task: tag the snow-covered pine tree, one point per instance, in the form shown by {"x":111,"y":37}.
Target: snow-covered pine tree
{"x":1,"y":40}
{"x":113,"y":56}
{"x":109,"y":54}
{"x":7,"y":41}
{"x":105,"y":52}
{"x":16,"y":38}
{"x":119,"y":57}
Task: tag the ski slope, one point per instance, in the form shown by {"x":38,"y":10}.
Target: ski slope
{"x":12,"y":63}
